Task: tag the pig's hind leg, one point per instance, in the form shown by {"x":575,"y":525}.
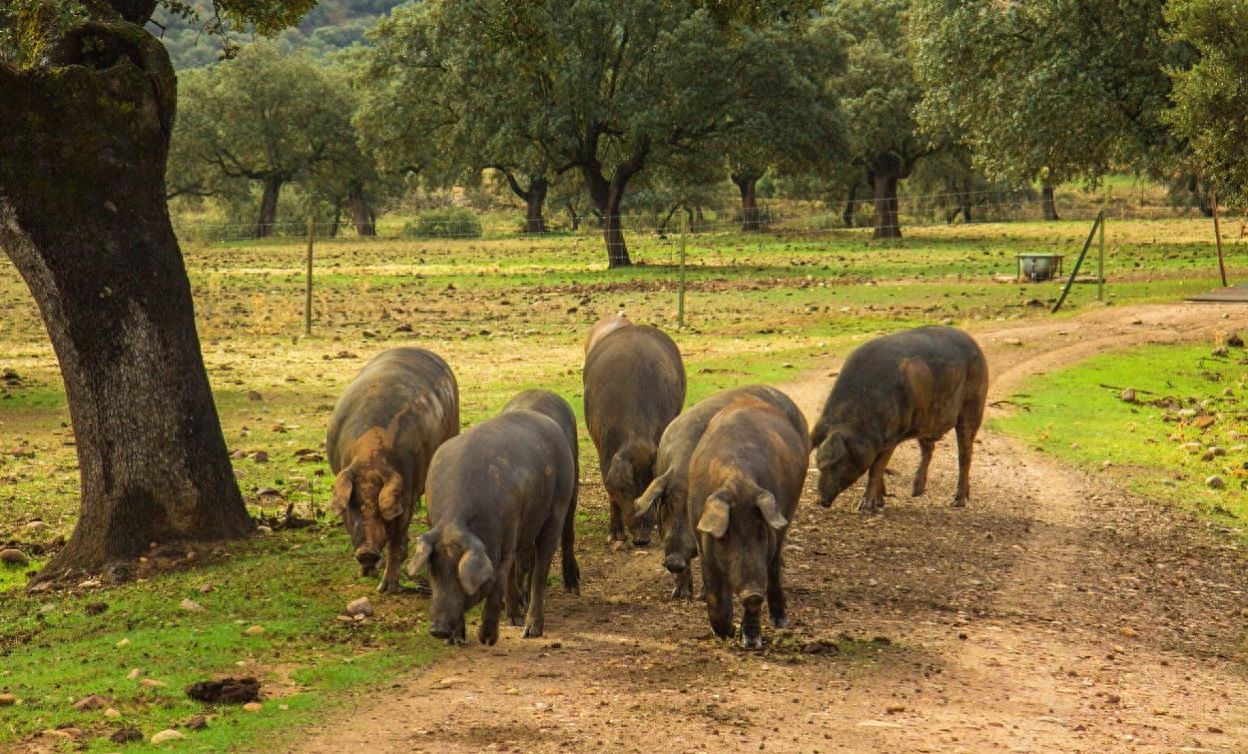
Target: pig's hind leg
{"x":547,"y":543}
{"x":926,"y":446}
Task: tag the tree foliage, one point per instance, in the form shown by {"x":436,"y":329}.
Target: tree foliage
{"x":264,"y":120}
{"x":1053,"y":90}
{"x":1210,"y":100}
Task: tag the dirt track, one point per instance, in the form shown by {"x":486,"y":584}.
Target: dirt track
{"x":1053,"y":614}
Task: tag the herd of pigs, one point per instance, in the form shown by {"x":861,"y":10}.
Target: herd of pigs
{"x":722,"y":479}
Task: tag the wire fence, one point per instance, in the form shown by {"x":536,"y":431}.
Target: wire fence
{"x":859,"y":216}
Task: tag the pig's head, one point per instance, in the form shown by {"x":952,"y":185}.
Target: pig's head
{"x":368,"y":495}
{"x":460,"y":574}
{"x":630,"y":473}
{"x":665,"y":500}
{"x":841,"y":458}
{"x":739,"y":529}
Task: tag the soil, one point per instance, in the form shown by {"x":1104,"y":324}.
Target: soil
{"x":1055,"y":613}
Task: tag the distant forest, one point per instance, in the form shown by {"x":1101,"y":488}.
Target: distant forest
{"x":331,"y":25}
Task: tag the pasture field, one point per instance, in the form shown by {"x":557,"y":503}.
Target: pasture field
{"x":508,"y":314}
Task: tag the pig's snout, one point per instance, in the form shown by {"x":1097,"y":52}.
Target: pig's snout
{"x":675,"y":563}
{"x":367,"y":556}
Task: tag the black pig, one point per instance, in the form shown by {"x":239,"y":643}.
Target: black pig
{"x":745,"y":478}
{"x":634,"y":386}
{"x":670,"y":488}
{"x":913,"y":384}
{"x":498,"y":495}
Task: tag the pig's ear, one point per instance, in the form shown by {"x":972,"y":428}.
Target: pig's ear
{"x":652,"y":494}
{"x":818,"y":433}
{"x":620,"y":475}
{"x":388,"y":501}
{"x":832,"y":450}
{"x":714,"y":519}
{"x":474,"y":567}
{"x":342,"y":490}
{"x":766,"y":503}
{"x":420,"y":556}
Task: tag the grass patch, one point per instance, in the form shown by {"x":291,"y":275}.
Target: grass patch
{"x":1189,"y":422}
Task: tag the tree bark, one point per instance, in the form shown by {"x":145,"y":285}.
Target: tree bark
{"x":751,"y":218}
{"x":268,"y":206}
{"x":1046,"y":201}
{"x":534,"y":203}
{"x":884,"y":180}
{"x":847,"y":214}
{"x":84,"y":219}
{"x":608,"y":196}
{"x":361,"y":213}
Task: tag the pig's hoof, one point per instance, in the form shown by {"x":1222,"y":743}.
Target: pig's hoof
{"x":959,"y":502}
{"x":391,"y":587}
{"x":751,"y":642}
{"x":368,"y":570}
{"x":574,"y":590}
{"x":917,"y":491}
{"x":532,"y":631}
{"x":488,"y":636}
{"x":780,"y":621}
{"x":682,"y":592}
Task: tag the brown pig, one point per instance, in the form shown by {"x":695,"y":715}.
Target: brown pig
{"x":498,"y":496}
{"x":745,"y":478}
{"x":670,"y":488}
{"x":919,"y":384}
{"x":634,"y":386}
{"x":382,"y":435}
{"x":554,"y":406}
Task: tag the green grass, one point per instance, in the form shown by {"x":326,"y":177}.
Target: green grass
{"x":1189,"y":403}
{"x":507,"y":313}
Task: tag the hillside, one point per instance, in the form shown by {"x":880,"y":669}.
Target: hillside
{"x":330,"y":26}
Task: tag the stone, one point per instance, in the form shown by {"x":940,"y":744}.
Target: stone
{"x":168,"y":734}
{"x":135,"y":674}
{"x":362,"y":606}
{"x":1215,"y":482}
{"x":127,"y":735}
{"x":152,"y":683}
{"x":255,"y":631}
{"x":7,"y":700}
{"x":13,"y":557}
{"x":253,"y":706}
{"x":92,"y":702}
{"x":1128,"y":396}
{"x":191,"y":606}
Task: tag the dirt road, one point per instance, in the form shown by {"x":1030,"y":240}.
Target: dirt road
{"x":1052,"y":614}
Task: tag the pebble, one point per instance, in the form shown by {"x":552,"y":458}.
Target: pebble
{"x":7,"y":700}
{"x":191,"y":606}
{"x":254,"y":631}
{"x":1215,"y":482}
{"x":253,"y":706}
{"x":152,"y":683}
{"x":36,"y":526}
{"x":13,"y":557}
{"x":134,"y":674}
{"x":123,"y":643}
{"x":362,"y":606}
{"x":112,"y":713}
{"x":91,"y":702}
{"x":166,"y":735}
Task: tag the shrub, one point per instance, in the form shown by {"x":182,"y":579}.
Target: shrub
{"x":452,"y":222}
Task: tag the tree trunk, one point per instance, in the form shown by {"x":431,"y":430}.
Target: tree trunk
{"x":751,"y":219}
{"x":1050,"y":207}
{"x":608,"y":196}
{"x":268,"y":207}
{"x":847,"y":214}
{"x":884,"y":181}
{"x":361,"y":213}
{"x":575,"y":218}
{"x":534,"y":202}
{"x":83,"y":218}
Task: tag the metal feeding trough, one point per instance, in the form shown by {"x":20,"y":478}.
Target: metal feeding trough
{"x":1038,"y":267}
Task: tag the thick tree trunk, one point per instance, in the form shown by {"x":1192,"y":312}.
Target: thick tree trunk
{"x":608,"y":196}
{"x":84,"y":220}
{"x":751,"y":218}
{"x":268,"y":206}
{"x":361,"y":213}
{"x":575,"y":218}
{"x":884,"y":182}
{"x":534,"y":204}
{"x":1050,"y":207}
